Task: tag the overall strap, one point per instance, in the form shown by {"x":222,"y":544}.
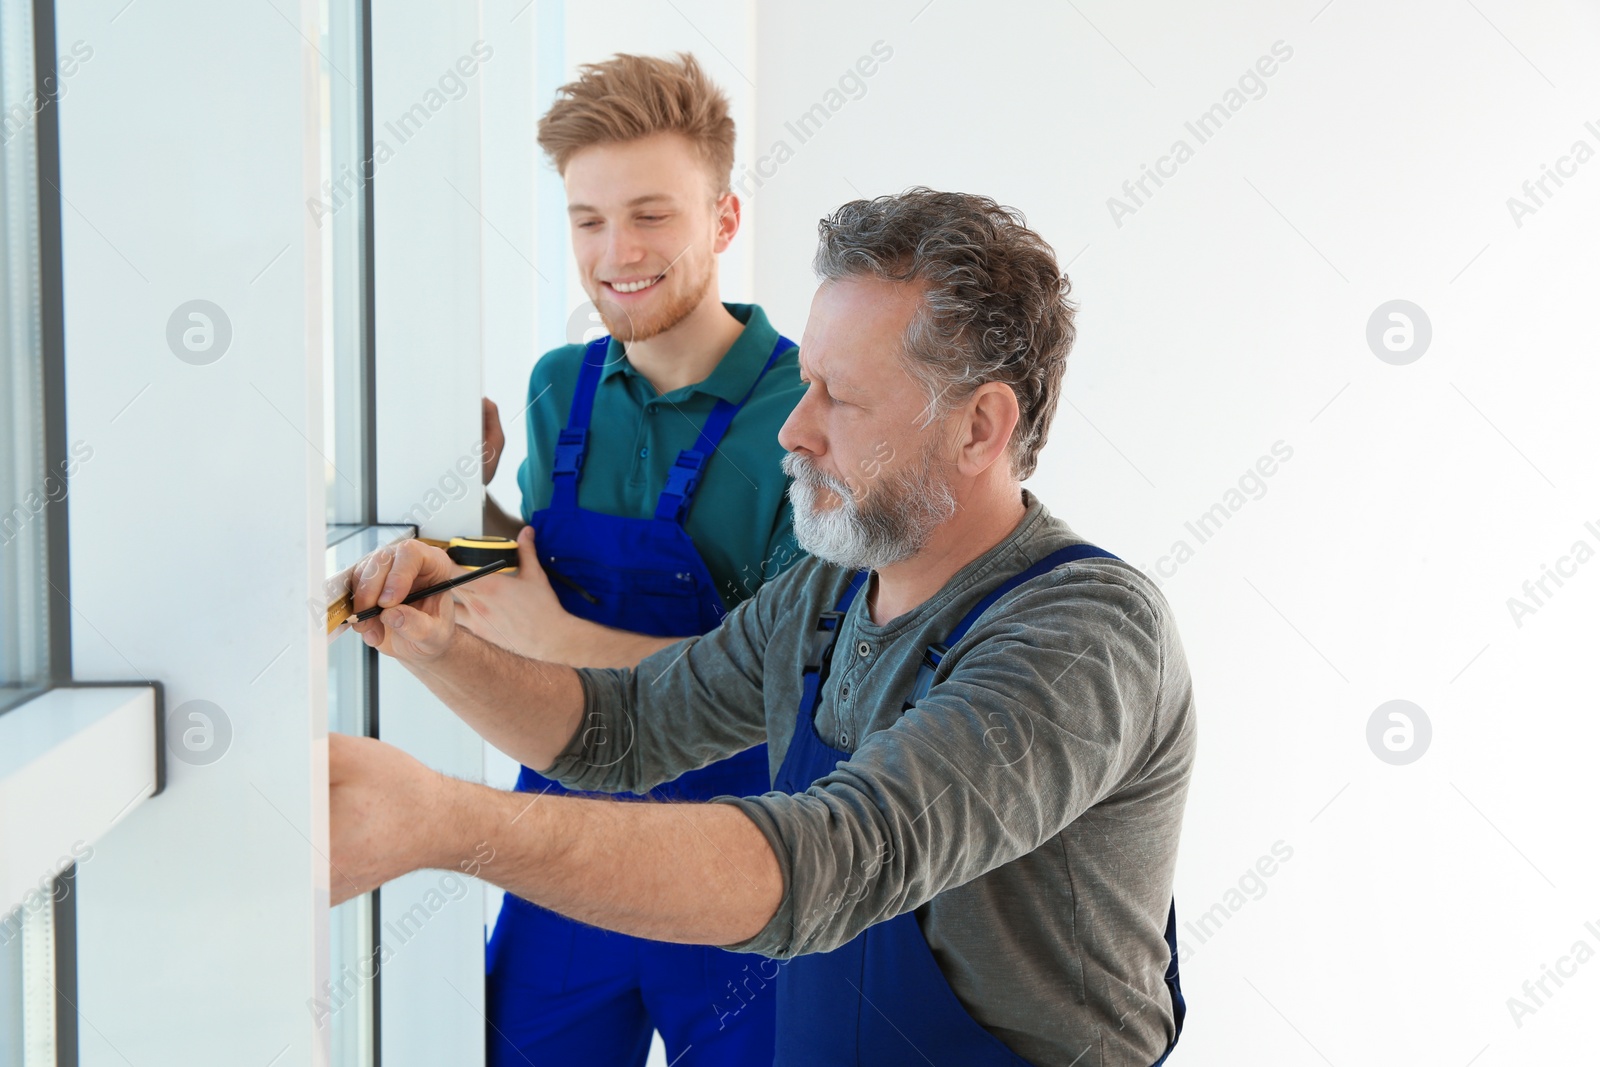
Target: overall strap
{"x":573,"y":442}
{"x":1179,"y":1008}
{"x":684,"y":477}
{"x":821,"y":654}
{"x":935,"y":652}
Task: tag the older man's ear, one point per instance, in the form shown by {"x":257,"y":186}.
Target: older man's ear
{"x":983,"y":435}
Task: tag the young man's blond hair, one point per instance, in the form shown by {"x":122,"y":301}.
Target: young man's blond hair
{"x":629,"y":97}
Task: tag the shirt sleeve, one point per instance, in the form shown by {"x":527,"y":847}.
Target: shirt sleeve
{"x":1049,"y":707}
{"x":683,"y":707}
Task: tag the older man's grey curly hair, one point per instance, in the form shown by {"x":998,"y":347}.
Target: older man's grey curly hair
{"x":995,"y":310}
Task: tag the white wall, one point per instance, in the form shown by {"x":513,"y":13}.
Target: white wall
{"x":514,"y":290}
{"x":1228,"y":313}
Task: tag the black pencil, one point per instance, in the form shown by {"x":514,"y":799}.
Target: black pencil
{"x":487,"y":568}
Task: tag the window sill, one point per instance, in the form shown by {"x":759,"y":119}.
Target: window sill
{"x":74,"y":761}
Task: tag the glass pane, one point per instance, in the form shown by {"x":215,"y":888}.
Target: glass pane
{"x":25,"y":487}
{"x":340,"y":214}
{"x":341,"y":219}
{"x":350,"y":1001}
{"x":27,"y":985}
{"x":352,"y":991}
{"x":348,"y":660}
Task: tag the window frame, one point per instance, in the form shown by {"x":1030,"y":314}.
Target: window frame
{"x":114,"y":727}
{"x":52,"y":334}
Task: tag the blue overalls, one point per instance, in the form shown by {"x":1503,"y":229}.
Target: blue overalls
{"x":562,"y":993}
{"x":881,"y":997}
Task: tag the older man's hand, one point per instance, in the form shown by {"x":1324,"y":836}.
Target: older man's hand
{"x":384,"y":814}
{"x":412,"y":633}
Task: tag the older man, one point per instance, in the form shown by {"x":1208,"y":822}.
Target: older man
{"x":980,"y":727}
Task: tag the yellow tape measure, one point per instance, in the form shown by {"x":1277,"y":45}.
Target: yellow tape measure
{"x":474,"y":552}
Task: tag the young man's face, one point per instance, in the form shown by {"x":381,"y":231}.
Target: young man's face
{"x":871,"y":483}
{"x":647,"y":226}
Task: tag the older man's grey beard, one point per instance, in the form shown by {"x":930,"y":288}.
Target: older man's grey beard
{"x":889,"y":523}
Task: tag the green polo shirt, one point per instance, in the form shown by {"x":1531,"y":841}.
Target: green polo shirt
{"x":740,"y":519}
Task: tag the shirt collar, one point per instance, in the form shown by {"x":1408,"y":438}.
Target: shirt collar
{"x":1010,"y":556}
{"x":734,"y":374}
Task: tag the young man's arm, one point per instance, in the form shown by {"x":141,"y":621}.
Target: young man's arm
{"x":497,"y":522}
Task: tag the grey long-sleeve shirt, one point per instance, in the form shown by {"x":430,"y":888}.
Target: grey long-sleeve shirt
{"x":1028,"y":808}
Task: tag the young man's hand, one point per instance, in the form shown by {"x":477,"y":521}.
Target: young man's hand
{"x":415,"y":632}
{"x":520,"y":611}
{"x":494,"y":440}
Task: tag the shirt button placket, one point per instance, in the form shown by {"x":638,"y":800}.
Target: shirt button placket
{"x":843,"y":713}
{"x":863,"y":649}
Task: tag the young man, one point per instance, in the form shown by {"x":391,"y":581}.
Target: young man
{"x":654,"y":501}
{"x":984,"y":726}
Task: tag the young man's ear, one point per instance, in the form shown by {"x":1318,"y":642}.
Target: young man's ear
{"x":726,"y":210}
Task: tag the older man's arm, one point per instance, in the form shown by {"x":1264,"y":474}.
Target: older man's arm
{"x":694,"y":873}
{"x":615,"y":730}
{"x":525,"y":708}
{"x":681,"y":872}
{"x":691,"y":873}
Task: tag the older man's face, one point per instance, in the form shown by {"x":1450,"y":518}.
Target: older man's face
{"x":870,"y":483}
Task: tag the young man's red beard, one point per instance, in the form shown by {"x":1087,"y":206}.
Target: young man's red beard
{"x":666,"y":311}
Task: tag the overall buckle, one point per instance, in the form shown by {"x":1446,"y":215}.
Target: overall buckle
{"x":822,"y":639}
{"x":682,"y":480}
{"x":685,"y":472}
{"x":932,"y":656}
{"x":571,"y":446}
